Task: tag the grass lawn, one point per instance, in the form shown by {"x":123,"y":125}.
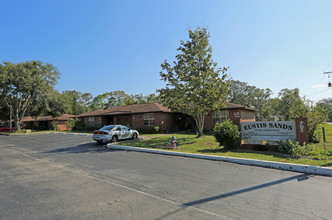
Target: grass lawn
{"x":207,"y":145}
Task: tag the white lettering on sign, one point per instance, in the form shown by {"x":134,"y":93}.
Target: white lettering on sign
{"x":301,"y":126}
{"x":268,"y":130}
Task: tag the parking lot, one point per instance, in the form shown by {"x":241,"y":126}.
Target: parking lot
{"x":53,"y":176}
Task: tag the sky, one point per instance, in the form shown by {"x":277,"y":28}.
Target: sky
{"x":102,"y":45}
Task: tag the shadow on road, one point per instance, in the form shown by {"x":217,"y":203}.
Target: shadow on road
{"x":82,"y":148}
{"x":299,"y":178}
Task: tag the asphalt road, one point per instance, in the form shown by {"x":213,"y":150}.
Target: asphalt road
{"x":52,"y":176}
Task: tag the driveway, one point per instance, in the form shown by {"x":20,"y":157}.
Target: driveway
{"x":52,"y":176}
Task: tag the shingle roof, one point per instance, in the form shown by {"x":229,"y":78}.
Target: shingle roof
{"x":233,"y":106}
{"x":28,"y":118}
{"x":64,"y":117}
{"x":130,"y":109}
{"x":48,"y":118}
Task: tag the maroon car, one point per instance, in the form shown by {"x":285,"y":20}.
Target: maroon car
{"x":6,"y":129}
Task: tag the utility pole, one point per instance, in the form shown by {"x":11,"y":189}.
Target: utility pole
{"x":329,"y":72}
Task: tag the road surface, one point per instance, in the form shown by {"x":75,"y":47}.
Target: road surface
{"x":52,"y":176}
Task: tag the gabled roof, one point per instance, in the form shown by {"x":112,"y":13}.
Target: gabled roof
{"x":130,"y":109}
{"x":235,"y":106}
{"x":64,"y":117}
{"x":28,"y":118}
{"x":48,"y":118}
{"x":44,"y":118}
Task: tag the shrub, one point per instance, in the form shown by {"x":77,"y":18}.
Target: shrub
{"x":294,"y":148}
{"x":55,"y":126}
{"x":71,"y":123}
{"x":315,"y":136}
{"x":227,"y":134}
{"x":156,"y":128}
{"x":79,"y":126}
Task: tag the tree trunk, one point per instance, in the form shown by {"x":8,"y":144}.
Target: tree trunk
{"x":17,"y":121}
{"x":199,"y":119}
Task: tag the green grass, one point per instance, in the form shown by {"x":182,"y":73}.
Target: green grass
{"x":207,"y":145}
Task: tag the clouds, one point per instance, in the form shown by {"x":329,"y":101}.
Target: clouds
{"x":319,"y":86}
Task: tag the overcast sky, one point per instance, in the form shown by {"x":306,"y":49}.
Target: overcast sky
{"x":102,"y":46}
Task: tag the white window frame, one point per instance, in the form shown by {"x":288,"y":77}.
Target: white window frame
{"x":220,"y":116}
{"x":148,"y":119}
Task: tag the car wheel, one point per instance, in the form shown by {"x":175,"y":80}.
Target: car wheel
{"x":115,"y":138}
{"x":134,"y":136}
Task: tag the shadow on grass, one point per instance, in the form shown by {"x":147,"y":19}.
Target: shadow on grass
{"x":161,"y":142}
{"x":268,"y":153}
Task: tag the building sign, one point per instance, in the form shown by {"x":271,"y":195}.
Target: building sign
{"x":268,"y":130}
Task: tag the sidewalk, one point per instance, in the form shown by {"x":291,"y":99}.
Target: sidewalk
{"x":269,"y":164}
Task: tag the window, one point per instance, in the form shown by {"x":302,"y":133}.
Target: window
{"x":91,"y":121}
{"x":220,"y":116}
{"x":148,"y":119}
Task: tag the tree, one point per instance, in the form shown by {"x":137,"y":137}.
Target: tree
{"x":316,"y":116}
{"x":291,"y":105}
{"x":327,"y":105}
{"x":243,"y":94}
{"x":193,"y":84}
{"x":24,"y":83}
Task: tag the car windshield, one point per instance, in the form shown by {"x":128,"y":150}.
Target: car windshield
{"x":108,"y":128}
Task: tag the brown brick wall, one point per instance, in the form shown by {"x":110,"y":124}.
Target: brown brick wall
{"x":165,"y":121}
{"x":123,"y":120}
{"x":98,"y":122}
{"x":235,"y":115}
{"x":248,"y":115}
{"x":208,"y":122}
{"x":302,"y":130}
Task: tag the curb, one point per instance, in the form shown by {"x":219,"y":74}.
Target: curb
{"x":79,"y":134}
{"x":324,"y":171}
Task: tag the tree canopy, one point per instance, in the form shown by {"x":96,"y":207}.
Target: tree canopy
{"x":24,"y":83}
{"x":195,"y":84}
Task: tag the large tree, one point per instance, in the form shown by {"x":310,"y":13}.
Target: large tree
{"x":23,"y":83}
{"x":244,"y":94}
{"x":195,"y":84}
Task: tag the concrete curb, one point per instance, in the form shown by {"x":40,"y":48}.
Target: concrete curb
{"x":79,"y":134}
{"x":269,"y":164}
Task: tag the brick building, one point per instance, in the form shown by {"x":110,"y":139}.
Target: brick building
{"x":139,"y":116}
{"x":235,"y":113}
{"x":45,"y":122}
{"x":147,"y":116}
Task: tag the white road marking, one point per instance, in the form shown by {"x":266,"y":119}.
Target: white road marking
{"x":129,"y":188}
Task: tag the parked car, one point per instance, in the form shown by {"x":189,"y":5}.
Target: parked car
{"x":113,"y":133}
{"x":6,"y":129}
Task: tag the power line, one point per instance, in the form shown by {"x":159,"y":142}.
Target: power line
{"x":318,"y":92}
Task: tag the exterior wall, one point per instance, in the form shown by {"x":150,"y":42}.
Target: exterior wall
{"x":168,"y":122}
{"x":208,"y":122}
{"x":123,"y":120}
{"x":248,"y":115}
{"x":235,"y":115}
{"x":97,"y":123}
{"x":165,"y":121}
{"x":62,"y":125}
{"x":27,"y":125}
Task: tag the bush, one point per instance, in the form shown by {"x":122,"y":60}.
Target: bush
{"x":315,"y":137}
{"x":156,"y":128}
{"x":55,"y":126}
{"x":227,"y":134}
{"x":294,"y":148}
{"x":71,"y":123}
